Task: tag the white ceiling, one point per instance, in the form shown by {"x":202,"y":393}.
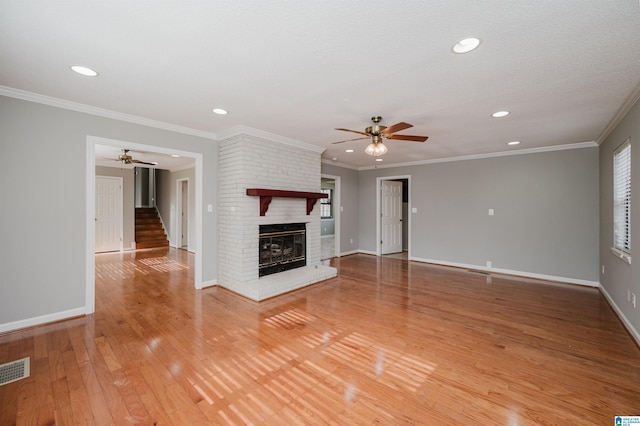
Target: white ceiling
{"x":564,"y":68}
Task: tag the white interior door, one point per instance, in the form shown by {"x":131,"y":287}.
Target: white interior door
{"x":391,"y":217}
{"x":108,"y":214}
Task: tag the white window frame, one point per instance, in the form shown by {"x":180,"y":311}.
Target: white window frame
{"x":327,"y":202}
{"x":622,"y":201}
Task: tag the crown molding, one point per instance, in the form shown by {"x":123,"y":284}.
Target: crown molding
{"x":488,"y":155}
{"x":338,"y":164}
{"x":620,"y":114}
{"x":262,"y":134}
{"x":101,"y":112}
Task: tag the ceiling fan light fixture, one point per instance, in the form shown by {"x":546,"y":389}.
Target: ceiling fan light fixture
{"x":376,"y":149}
{"x":466,"y":45}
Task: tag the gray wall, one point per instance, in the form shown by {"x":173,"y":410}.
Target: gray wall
{"x":546,"y":212}
{"x":327,"y":226}
{"x":43,"y":222}
{"x":128,"y":209}
{"x":349,"y":202}
{"x":619,"y":276}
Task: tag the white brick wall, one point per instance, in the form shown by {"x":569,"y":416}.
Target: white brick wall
{"x":251,"y":162}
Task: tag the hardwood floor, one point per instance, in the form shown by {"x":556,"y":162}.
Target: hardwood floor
{"x":387,"y":341}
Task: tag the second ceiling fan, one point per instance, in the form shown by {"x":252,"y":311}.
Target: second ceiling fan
{"x":125,"y":158}
{"x":377,"y":132}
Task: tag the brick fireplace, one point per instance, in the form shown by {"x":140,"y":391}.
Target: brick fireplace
{"x":285,"y":167}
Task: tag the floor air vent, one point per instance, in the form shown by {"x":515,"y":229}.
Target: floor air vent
{"x":14,"y":371}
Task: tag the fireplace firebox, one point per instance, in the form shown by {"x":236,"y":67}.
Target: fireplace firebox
{"x":282,"y":247}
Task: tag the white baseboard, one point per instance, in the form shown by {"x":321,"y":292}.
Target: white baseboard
{"x":367,"y":252}
{"x":43,"y":319}
{"x":210,"y":283}
{"x":347,"y":253}
{"x":511,"y":272}
{"x":632,"y":330}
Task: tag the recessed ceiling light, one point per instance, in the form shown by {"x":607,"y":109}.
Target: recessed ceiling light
{"x":84,"y":71}
{"x":220,"y":111}
{"x":348,"y":150}
{"x":379,"y":159}
{"x":175,"y":155}
{"x":499,"y":114}
{"x":514,"y":143}
{"x":466,"y":45}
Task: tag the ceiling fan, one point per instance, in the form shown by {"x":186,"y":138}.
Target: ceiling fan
{"x":125,"y":158}
{"x":377,"y":132}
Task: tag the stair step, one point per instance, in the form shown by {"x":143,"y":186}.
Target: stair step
{"x":152,"y":241}
{"x":149,"y":232}
{"x":146,"y":216}
{"x":149,"y":220}
{"x":152,"y":245}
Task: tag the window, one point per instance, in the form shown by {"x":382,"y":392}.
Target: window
{"x":622,"y":201}
{"x":326,"y":208}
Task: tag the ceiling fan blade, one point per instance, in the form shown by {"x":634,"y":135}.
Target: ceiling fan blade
{"x":353,"y":131}
{"x":396,"y":128}
{"x":144,"y":162}
{"x":408,"y":138}
{"x":349,"y":140}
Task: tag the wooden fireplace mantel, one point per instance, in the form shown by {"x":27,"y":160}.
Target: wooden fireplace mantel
{"x":266,"y":195}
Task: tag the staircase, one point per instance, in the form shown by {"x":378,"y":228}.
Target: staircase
{"x":149,"y":231}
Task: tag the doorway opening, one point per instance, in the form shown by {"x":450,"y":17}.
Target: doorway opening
{"x":92,"y":142}
{"x":182,"y":214}
{"x":330,"y":210}
{"x":393,"y":221}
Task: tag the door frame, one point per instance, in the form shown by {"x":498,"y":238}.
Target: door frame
{"x":179,"y":217}
{"x":337,"y":210}
{"x":120,"y":217}
{"x":379,"y":212}
{"x":90,"y":196}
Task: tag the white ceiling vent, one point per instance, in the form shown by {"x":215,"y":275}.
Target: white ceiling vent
{"x":14,"y":371}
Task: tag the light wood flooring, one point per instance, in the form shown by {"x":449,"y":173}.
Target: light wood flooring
{"x":386,"y":342}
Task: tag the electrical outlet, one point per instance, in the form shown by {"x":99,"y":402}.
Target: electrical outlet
{"x":351,"y":241}
{"x":633,"y":299}
{"x":602,"y":269}
{"x":628,"y":295}
{"x":488,"y":264}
